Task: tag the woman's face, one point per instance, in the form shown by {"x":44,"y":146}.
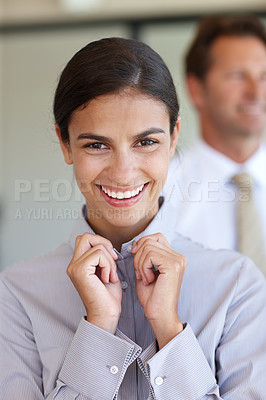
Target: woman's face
{"x":120,"y":146}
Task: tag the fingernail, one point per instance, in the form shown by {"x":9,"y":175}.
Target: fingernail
{"x":114,"y":252}
{"x":133,"y":246}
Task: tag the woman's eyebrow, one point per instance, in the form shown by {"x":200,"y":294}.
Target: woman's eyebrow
{"x":94,"y":137}
{"x":100,"y":138}
{"x":148,"y":132}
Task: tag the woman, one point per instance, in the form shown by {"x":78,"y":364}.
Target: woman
{"x":121,"y":327}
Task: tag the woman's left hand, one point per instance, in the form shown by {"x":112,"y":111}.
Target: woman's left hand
{"x":158,"y":291}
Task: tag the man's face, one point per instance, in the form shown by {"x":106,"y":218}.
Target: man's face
{"x":234,"y":90}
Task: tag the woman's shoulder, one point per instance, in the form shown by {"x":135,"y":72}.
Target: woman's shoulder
{"x":216,"y":264}
{"x":39,"y":267}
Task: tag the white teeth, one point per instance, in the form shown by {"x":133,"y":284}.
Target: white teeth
{"x":127,"y":194}
{"x":122,"y":195}
{"x":119,"y":195}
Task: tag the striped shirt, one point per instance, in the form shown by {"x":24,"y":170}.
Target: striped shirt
{"x":49,"y":351}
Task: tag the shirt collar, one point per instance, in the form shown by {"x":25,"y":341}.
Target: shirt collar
{"x":163,"y":222}
{"x":81,"y":226}
{"x":224,"y":168}
{"x":256,"y":166}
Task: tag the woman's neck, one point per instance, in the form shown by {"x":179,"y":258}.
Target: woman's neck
{"x":122,"y":232}
{"x":119,"y":234}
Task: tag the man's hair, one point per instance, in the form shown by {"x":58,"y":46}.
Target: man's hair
{"x":198,"y":58}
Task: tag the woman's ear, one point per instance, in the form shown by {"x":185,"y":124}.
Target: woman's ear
{"x":174,"y":137}
{"x":65,"y":147}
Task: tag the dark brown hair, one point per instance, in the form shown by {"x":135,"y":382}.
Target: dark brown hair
{"x":198,"y":58}
{"x":108,"y":66}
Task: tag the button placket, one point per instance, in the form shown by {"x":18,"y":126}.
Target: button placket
{"x":124,"y":285}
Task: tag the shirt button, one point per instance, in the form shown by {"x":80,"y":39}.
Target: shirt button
{"x":124,"y":285}
{"x":158,"y":381}
{"x":114,"y":369}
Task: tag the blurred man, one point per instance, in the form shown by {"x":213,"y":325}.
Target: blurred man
{"x":221,"y":181}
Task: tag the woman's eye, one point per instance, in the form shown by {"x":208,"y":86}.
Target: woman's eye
{"x":96,"y":146}
{"x":146,"y":142}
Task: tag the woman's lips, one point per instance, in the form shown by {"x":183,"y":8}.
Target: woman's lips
{"x":122,"y":197}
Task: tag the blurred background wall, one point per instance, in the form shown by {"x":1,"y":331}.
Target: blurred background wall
{"x":39,"y":201}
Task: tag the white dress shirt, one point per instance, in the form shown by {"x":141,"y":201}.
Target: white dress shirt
{"x":199,"y":186}
{"x":49,"y":351}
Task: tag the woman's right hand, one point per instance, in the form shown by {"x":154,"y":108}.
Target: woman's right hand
{"x":92,"y":271}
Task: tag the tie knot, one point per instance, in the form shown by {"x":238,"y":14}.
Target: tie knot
{"x":243,"y":180}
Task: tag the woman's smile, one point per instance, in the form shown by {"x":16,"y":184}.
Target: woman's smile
{"x":122,"y":197}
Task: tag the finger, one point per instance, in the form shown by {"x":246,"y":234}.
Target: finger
{"x":107,"y":265}
{"x":97,"y":239}
{"x":99,"y":262}
{"x":145,"y":271}
{"x":96,"y":256}
{"x":156,"y":237}
{"x":113,"y":272}
{"x":147,"y":242}
{"x":152,"y":254}
{"x":77,"y":252}
{"x":88,"y":240}
{"x":105,"y":268}
{"x":138,"y":275}
{"x":81,"y":245}
{"x":145,"y":263}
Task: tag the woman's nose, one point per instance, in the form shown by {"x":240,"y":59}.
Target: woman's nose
{"x":123,"y":166}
